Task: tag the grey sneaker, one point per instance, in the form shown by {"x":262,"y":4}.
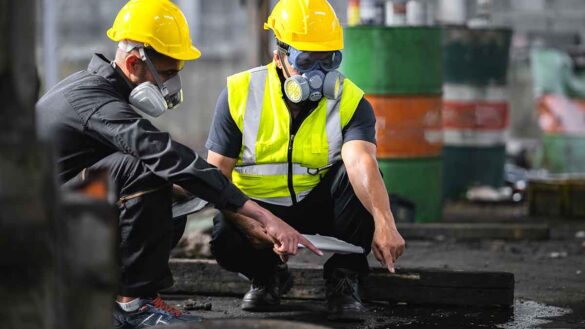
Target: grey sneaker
{"x":343,"y":299}
{"x":264,"y":294}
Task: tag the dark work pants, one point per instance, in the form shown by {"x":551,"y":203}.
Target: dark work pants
{"x":147,"y":230}
{"x":332,"y":208}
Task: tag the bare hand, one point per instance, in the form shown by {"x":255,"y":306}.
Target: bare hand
{"x":388,"y":245}
{"x":286,"y":239}
{"x":252,"y":229}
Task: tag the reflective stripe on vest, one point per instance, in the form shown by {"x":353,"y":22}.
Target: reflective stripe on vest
{"x":271,"y":169}
{"x":252,"y":114}
{"x":262,"y":170}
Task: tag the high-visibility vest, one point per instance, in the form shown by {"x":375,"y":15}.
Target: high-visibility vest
{"x":274,"y":165}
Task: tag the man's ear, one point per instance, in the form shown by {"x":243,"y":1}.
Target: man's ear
{"x":276,"y":58}
{"x":134,"y":67}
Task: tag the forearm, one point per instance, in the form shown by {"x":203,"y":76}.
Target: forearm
{"x":369,"y":187}
{"x":253,"y":229}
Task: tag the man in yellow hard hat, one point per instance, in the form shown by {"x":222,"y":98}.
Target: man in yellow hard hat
{"x":298,"y":138}
{"x":92,"y":119}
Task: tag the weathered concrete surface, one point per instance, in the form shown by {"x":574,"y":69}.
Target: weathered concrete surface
{"x":524,"y":314}
{"x":549,"y":284}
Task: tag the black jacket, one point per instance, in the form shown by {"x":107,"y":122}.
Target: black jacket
{"x":87,"y":117}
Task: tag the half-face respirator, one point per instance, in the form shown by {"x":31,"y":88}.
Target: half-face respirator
{"x":318,"y":75}
{"x":154,"y":99}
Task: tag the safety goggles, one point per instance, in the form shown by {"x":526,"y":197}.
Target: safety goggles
{"x":304,"y":61}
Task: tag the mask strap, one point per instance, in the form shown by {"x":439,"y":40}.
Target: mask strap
{"x":283,"y":53}
{"x":153,"y":70}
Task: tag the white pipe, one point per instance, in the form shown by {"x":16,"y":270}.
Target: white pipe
{"x":50,"y":44}
{"x":452,"y":11}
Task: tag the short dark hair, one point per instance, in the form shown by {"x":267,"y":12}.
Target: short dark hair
{"x":282,"y":45}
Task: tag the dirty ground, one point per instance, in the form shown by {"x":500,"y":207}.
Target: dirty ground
{"x":549,"y":292}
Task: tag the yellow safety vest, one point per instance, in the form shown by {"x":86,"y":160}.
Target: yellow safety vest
{"x":275,"y":166}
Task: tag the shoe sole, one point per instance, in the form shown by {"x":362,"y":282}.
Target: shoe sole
{"x":250,"y":306}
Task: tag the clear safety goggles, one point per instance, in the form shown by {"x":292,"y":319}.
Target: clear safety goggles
{"x":304,"y":61}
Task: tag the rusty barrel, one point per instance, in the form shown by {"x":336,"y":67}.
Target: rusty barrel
{"x":408,"y":127}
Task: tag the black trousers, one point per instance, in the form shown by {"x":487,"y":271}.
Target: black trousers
{"x":332,"y":208}
{"x":147,"y":230}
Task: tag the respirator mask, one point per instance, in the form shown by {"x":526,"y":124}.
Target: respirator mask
{"x":154,"y":99}
{"x":318,"y":74}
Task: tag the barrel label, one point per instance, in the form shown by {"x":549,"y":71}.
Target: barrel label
{"x":480,"y":115}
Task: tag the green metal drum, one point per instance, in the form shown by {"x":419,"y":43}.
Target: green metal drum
{"x":465,"y":166}
{"x":418,"y":180}
{"x":394,"y":60}
{"x":476,"y":56}
{"x":563,"y":153}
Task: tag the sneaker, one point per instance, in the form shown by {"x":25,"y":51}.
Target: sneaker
{"x":343,"y":300}
{"x":264,"y":295}
{"x":152,"y":312}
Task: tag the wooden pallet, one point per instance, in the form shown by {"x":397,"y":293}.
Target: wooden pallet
{"x":413,"y":286}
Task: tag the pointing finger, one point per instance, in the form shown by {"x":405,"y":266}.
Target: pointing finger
{"x":309,"y":245}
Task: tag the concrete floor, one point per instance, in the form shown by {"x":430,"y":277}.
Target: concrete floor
{"x":550,"y":286}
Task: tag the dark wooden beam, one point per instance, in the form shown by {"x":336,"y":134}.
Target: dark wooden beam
{"x":415,"y":286}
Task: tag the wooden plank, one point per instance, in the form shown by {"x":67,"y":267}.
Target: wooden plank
{"x":476,"y":231}
{"x":416,"y":286}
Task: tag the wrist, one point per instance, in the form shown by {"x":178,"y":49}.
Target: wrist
{"x":256,"y":212}
{"x":385,"y":219}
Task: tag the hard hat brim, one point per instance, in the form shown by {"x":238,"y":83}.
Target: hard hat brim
{"x":190,"y":54}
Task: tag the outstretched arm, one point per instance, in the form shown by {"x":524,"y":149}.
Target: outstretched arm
{"x":360,"y":162}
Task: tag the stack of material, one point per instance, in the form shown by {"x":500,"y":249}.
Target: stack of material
{"x":557,"y":196}
{"x":559,"y":85}
{"x":399,"y":68}
{"x":475,"y":108}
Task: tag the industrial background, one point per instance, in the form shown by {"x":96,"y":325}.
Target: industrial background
{"x":68,"y":30}
{"x":480,"y":108}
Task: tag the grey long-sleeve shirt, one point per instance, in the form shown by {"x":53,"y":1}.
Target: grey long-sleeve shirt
{"x":87,"y":117}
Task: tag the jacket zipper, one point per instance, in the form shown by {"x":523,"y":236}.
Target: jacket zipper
{"x":291,"y":188}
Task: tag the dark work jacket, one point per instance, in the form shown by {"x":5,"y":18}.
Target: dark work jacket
{"x":87,"y":117}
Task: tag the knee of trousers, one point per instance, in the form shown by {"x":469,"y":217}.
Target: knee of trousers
{"x":224,"y":239}
{"x":233,"y":251}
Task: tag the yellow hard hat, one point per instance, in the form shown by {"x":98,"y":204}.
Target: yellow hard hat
{"x":159,"y":24}
{"x":309,"y":25}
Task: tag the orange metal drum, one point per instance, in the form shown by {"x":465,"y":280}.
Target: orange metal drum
{"x":408,"y":126}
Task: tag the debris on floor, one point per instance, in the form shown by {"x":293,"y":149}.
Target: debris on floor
{"x":193,"y":305}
